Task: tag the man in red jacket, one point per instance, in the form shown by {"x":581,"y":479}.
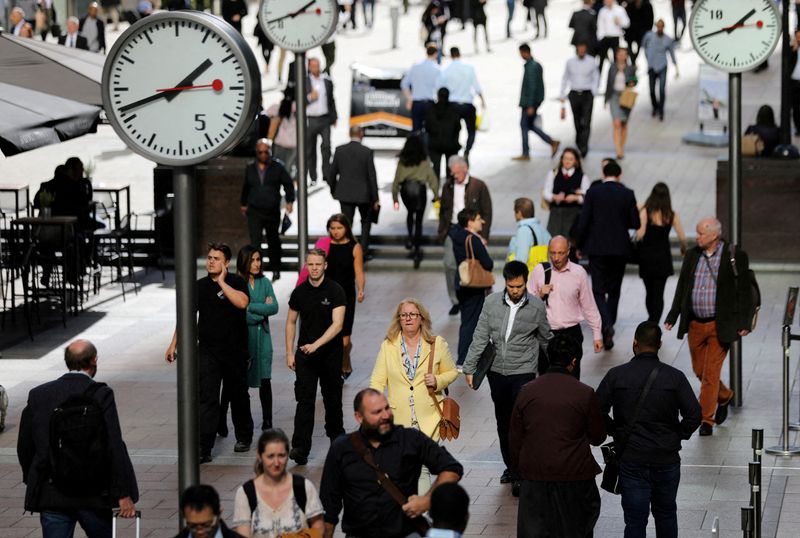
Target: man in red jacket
{"x":555,"y":419}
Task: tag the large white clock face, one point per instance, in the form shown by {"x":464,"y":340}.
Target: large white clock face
{"x":180,"y":88}
{"x":735,"y":35}
{"x":298,"y":25}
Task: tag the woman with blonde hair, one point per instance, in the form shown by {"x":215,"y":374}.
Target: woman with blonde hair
{"x":276,"y":501}
{"x":402,"y":368}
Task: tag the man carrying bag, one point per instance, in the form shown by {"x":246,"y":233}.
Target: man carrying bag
{"x":650,"y":432}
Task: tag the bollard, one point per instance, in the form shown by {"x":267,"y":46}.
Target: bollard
{"x":715,"y":528}
{"x":394,"y":13}
{"x":754,"y":472}
{"x":785,"y":449}
{"x":747,"y":522}
{"x":757,"y":443}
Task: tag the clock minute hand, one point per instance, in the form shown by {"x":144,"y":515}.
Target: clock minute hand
{"x":293,"y":14}
{"x":169,"y":95}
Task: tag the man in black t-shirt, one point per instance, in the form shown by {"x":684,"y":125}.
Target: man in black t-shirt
{"x":320,"y":304}
{"x":222,"y":301}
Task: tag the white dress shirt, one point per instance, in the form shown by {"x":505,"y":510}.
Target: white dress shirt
{"x":607,"y":26}
{"x":318,"y":107}
{"x":580,"y":74}
{"x":459,"y":198}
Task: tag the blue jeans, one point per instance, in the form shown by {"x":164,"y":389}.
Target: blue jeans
{"x":660,"y":78}
{"x":95,"y":523}
{"x":527,"y":123}
{"x":645,"y":487}
{"x":510,"y":4}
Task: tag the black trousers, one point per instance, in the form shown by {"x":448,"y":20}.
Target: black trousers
{"x":471,"y":304}
{"x":365,"y":212}
{"x":576,"y":334}
{"x":558,"y":509}
{"x":466,"y":111}
{"x":215,"y":368}
{"x":582,"y":103}
{"x":436,"y":160}
{"x":260,"y":220}
{"x":654,"y":297}
{"x":607,"y":273}
{"x":264,"y":395}
{"x":415,"y":198}
{"x":324,"y":369}
{"x":607,"y":44}
{"x":505,"y":389}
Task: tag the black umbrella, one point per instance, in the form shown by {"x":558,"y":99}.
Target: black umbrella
{"x":31,"y":119}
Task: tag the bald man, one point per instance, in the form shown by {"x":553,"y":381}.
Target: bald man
{"x":713,"y":301}
{"x":52,"y":489}
{"x":567,"y":297}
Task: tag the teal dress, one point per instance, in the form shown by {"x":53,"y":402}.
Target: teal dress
{"x":259,"y":339}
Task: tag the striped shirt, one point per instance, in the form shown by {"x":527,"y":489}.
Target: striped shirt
{"x":704,"y":292}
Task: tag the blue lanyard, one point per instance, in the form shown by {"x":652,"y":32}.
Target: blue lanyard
{"x":411,"y":367}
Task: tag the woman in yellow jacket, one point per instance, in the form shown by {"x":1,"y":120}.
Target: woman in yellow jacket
{"x":402,"y":367}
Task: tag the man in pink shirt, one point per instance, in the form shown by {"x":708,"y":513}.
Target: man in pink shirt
{"x":568,"y":297}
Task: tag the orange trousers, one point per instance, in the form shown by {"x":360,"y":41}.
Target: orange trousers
{"x":708,"y":355}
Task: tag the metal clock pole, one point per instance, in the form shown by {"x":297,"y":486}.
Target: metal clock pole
{"x":302,"y":190}
{"x":735,"y":212}
{"x":185,"y":278}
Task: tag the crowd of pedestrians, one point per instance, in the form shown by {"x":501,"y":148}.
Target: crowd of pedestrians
{"x":526,"y":338}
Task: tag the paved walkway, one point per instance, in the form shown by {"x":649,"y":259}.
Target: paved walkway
{"x":132,"y":336}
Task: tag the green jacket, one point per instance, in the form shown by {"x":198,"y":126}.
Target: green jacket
{"x":259,"y":338}
{"x":532,"y":93}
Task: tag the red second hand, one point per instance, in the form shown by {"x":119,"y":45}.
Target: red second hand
{"x":216,"y":85}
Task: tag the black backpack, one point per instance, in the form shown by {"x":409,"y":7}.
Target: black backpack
{"x":79,"y":462}
{"x":298,"y":487}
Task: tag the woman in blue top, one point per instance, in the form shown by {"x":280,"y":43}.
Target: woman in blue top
{"x":263,"y":304}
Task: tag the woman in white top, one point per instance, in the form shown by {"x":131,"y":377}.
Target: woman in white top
{"x":276,"y":509}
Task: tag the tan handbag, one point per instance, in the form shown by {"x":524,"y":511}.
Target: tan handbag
{"x":627,"y":98}
{"x":752,"y":145}
{"x":449,"y":410}
{"x":471,"y":272}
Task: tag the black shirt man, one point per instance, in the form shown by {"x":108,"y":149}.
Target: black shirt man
{"x":320,"y":303}
{"x":222,"y":301}
{"x":400,"y":452}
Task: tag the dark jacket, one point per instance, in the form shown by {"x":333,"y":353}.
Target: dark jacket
{"x":332,"y":114}
{"x":34,"y":441}
{"x":459,"y":236}
{"x":266,"y":197}
{"x":231,"y":8}
{"x":101,"y":31}
{"x":226,"y":532}
{"x":584,"y":23}
{"x":609,"y":211}
{"x":532,"y":93}
{"x":476,"y":197}
{"x":353,"y":178}
{"x":80,"y":42}
{"x":733,"y":300}
{"x":443,"y":126}
{"x":770,"y":135}
{"x":555,"y":419}
{"x":641,"y":20}
{"x":656,"y":436}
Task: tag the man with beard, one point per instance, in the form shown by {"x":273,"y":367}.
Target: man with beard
{"x":396,"y":453}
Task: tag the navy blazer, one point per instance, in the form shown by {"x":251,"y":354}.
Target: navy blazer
{"x":609,"y":213}
{"x":34,"y":441}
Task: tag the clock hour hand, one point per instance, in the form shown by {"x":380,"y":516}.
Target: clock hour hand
{"x":170,"y":94}
{"x":189,"y":79}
